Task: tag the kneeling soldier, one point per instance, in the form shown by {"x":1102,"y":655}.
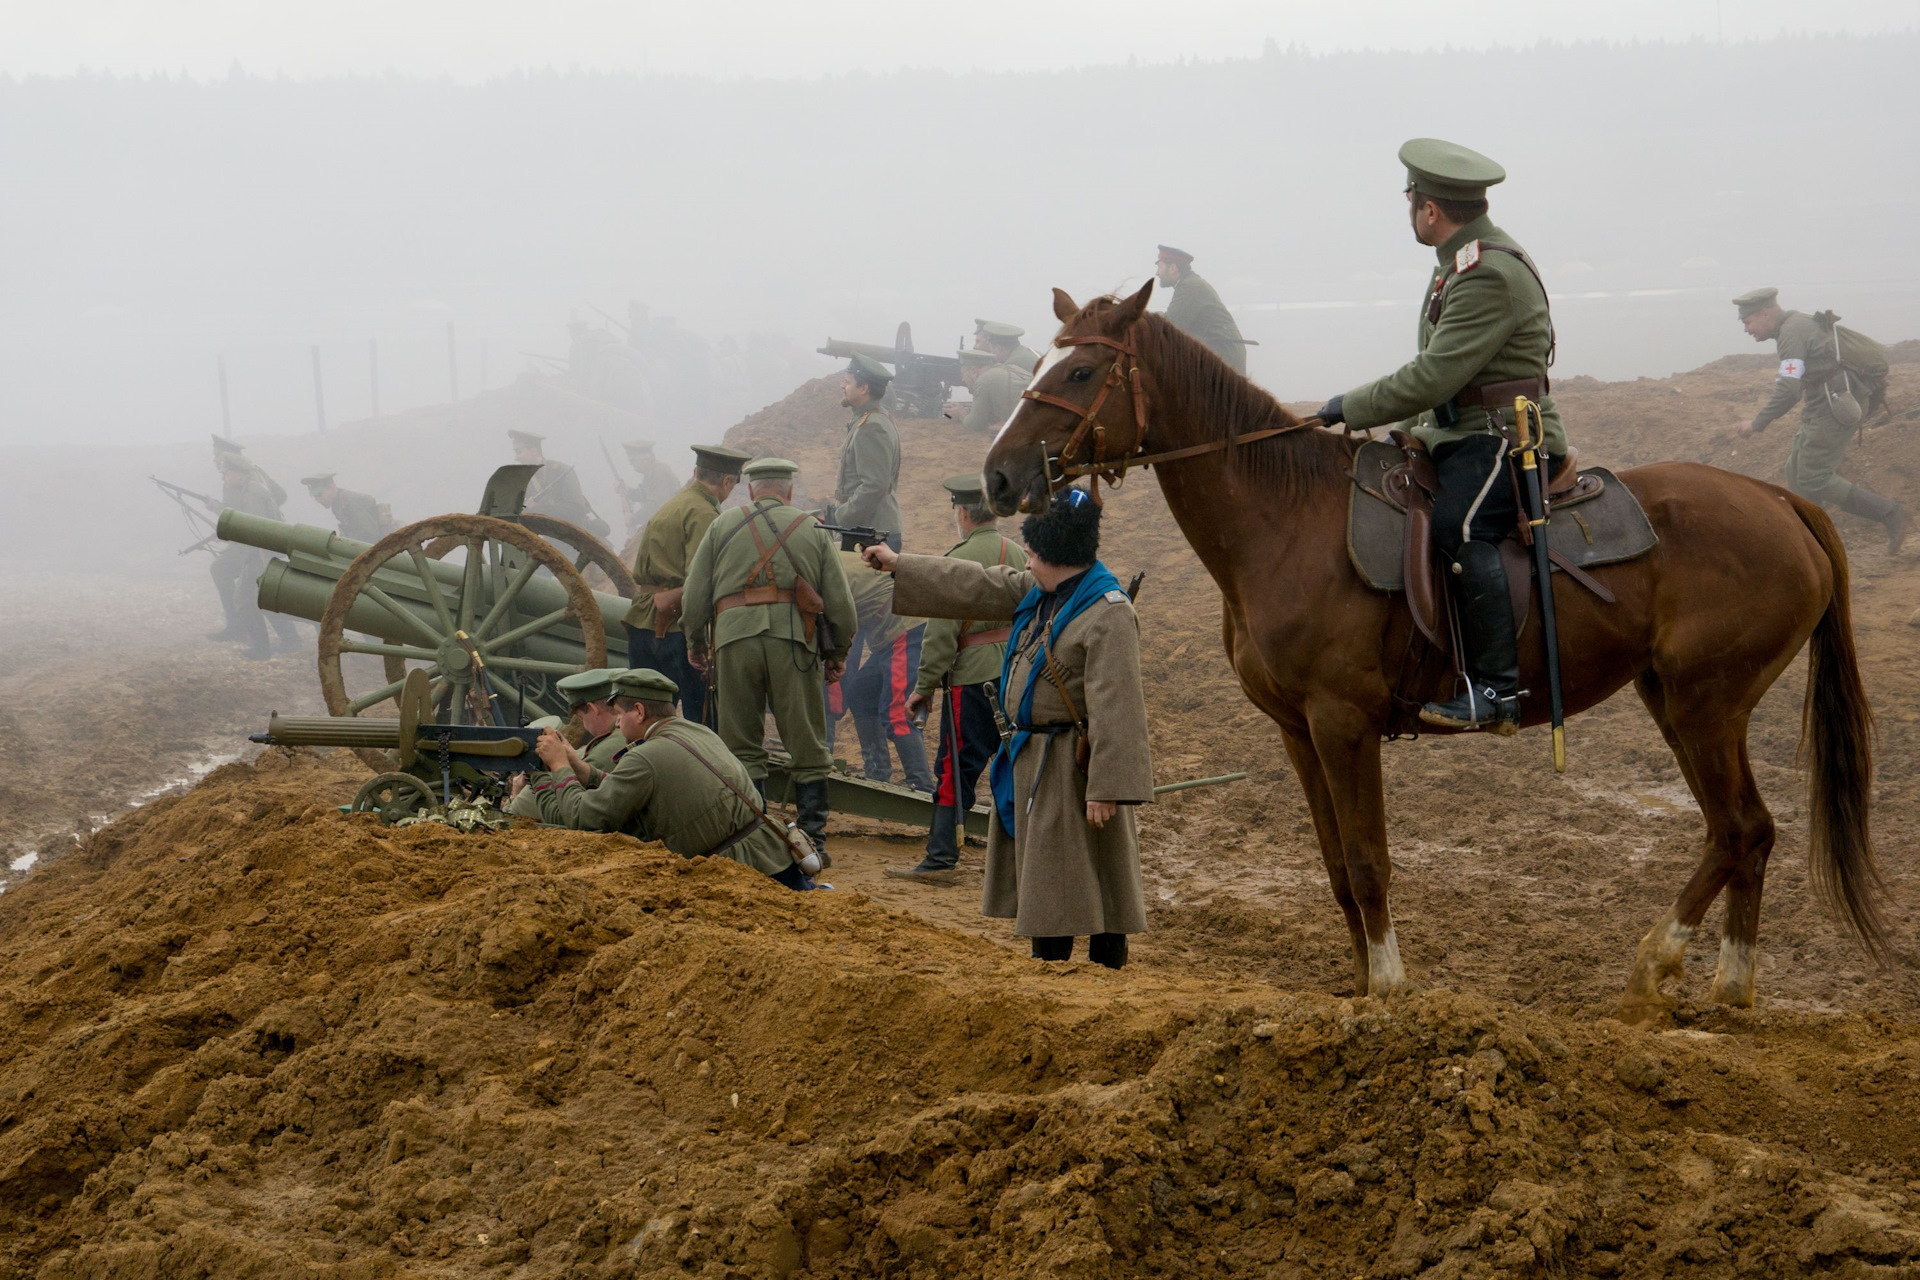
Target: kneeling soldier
{"x":1062,"y":855}
{"x":590,"y":702}
{"x":676,"y":783}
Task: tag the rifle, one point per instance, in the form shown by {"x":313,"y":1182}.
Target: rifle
{"x":620,"y":484}
{"x":1533,"y":485}
{"x":196,"y":522}
{"x":856,"y":537}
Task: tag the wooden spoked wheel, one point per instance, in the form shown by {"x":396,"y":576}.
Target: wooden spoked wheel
{"x":588,"y":551}
{"x":488,"y":647}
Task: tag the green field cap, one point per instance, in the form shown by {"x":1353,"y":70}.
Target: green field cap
{"x":646,"y":684}
{"x":967,"y":490}
{"x":770,"y":469}
{"x":1001,"y":329}
{"x":1449,"y":171}
{"x":588,"y":686}
{"x":524,"y":439}
{"x":1754,"y":301}
{"x":318,"y":483}
{"x":717,"y":457}
{"x":869,"y":370}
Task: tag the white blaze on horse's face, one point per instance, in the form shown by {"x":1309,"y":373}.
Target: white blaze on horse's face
{"x":1053,"y":357}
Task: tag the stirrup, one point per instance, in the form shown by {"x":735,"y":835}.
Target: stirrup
{"x":1476,"y":709}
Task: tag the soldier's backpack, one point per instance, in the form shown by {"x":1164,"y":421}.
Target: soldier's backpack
{"x":1858,"y":390}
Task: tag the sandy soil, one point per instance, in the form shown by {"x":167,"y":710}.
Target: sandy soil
{"x":244,"y":1035}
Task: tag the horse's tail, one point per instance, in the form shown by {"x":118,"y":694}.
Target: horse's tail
{"x":1836,"y":738}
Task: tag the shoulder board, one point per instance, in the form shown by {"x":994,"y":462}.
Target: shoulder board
{"x":1118,"y":597}
{"x":1468,"y":258}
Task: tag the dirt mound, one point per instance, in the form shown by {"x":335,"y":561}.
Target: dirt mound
{"x":249,"y":1036}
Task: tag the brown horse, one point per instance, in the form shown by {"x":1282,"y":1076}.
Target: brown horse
{"x":1745,"y":574}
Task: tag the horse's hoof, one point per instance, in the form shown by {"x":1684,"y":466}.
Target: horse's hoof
{"x":1644,"y":1012}
{"x":1732,"y":996}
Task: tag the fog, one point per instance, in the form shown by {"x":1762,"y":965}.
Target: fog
{"x":159,"y":225}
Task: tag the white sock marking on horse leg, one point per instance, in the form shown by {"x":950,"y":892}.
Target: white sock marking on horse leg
{"x":1734,"y":980}
{"x":1384,"y":971}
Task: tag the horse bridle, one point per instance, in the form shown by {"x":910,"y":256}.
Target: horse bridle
{"x":1124,"y":373}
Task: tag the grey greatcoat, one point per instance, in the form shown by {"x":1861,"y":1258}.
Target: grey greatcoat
{"x":1056,"y":876}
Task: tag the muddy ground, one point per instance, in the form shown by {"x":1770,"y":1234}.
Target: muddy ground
{"x":243,"y":1035}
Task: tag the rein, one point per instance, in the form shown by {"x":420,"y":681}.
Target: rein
{"x":1123,"y":373}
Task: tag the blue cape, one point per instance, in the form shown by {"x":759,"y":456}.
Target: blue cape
{"x":1093,"y":584}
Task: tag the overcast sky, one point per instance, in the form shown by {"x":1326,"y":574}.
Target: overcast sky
{"x":474,"y":39}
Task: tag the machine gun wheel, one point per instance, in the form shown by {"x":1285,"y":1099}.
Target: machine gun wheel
{"x":393,"y":796}
{"x":471,"y":636}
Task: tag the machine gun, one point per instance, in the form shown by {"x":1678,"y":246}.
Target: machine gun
{"x":435,"y":759}
{"x":921,"y":383}
{"x":196,"y":522}
{"x":856,"y":537}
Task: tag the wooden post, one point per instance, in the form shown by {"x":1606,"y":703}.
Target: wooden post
{"x":319,"y":391}
{"x":453,"y":366}
{"x":226,"y":417}
{"x":373,"y":373}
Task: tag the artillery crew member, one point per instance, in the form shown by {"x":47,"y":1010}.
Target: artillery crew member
{"x":1813,"y":375}
{"x":589,"y":697}
{"x":1003,"y":340}
{"x":1486,"y":336}
{"x":1063,"y":858}
{"x":996,"y":386}
{"x":655,"y":483}
{"x":676,"y":784}
{"x":768,"y":581}
{"x":555,"y":488}
{"x":654,"y":635}
{"x":1196,"y":310}
{"x":863,"y":494}
{"x":225,"y":449}
{"x":236,"y":567}
{"x":960,"y":665}
{"x":357,"y":514}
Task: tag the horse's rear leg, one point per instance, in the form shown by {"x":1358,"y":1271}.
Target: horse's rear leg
{"x":1313,"y":781}
{"x":1711,"y":744}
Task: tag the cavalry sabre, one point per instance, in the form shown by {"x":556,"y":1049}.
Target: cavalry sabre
{"x":1526,"y":412}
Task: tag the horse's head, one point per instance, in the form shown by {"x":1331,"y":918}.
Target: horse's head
{"x":1084,"y":407}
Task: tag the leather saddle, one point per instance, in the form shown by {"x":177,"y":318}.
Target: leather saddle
{"x":1593,"y":520}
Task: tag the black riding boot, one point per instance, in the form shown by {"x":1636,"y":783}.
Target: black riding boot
{"x":1053,"y":948}
{"x":810,"y":799}
{"x":1491,"y":699}
{"x":1865,"y":502}
{"x":1109,"y":949}
{"x":875,"y":764}
{"x":943,"y":852}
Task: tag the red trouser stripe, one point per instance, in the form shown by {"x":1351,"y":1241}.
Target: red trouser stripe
{"x":897,"y":722}
{"x":950,"y":743}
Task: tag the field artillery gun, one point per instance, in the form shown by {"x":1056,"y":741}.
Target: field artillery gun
{"x":489,"y":606}
{"x":921,"y":383}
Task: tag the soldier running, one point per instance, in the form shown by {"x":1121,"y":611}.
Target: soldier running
{"x":655,"y":638}
{"x":1809,"y":368}
{"x":768,"y":581}
{"x":357,"y":514}
{"x":555,"y":488}
{"x":236,"y":567}
{"x":960,"y":664}
{"x":1486,"y":335}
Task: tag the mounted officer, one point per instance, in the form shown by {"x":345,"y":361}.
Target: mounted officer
{"x":1195,"y":307}
{"x":1486,"y":335}
{"x":1811,"y":375}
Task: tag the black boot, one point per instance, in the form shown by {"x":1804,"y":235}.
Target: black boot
{"x":943,"y":852}
{"x":912,"y":750}
{"x":1053,"y":948}
{"x":1865,"y":502}
{"x":1109,"y":949}
{"x":1491,"y":699}
{"x":810,"y":799}
{"x":874,"y":761}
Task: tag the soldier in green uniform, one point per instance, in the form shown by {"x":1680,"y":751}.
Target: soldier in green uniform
{"x":1809,"y":364}
{"x":768,"y":582}
{"x":654,"y":636}
{"x":654,"y":484}
{"x":589,"y":697}
{"x":870,"y":455}
{"x":1003,"y":340}
{"x":1195,"y":307}
{"x":676,"y":784}
{"x":236,"y":568}
{"x":960,"y":665}
{"x":555,"y":487}
{"x":357,"y":514}
{"x":1485,"y":335}
{"x":996,"y":386}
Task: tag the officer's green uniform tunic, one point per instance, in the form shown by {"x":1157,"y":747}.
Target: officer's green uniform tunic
{"x":555,"y":491}
{"x":358,"y":516}
{"x":995,"y":396}
{"x":763,"y":655}
{"x":1195,"y":309}
{"x":940,"y":651}
{"x":657,"y":791}
{"x":1807,"y":361}
{"x":667,"y":547}
{"x":869,"y":473}
{"x":1493,"y":327}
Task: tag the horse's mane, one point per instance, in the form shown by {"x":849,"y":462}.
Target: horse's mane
{"x":1212,"y":394}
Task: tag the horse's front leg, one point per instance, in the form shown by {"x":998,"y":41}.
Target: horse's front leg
{"x":1326,"y":825}
{"x":1348,"y":744}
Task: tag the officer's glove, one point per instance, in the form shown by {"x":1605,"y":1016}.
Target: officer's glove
{"x":1333,"y":412}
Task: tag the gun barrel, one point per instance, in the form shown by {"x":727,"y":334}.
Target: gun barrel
{"x":844,"y":350}
{"x":332,"y":731}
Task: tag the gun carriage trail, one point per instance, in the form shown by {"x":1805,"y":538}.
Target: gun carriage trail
{"x":247,"y":1035}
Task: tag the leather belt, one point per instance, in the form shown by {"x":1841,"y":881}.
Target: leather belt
{"x":979,"y":638}
{"x":753,"y":595}
{"x":1494,"y":396}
